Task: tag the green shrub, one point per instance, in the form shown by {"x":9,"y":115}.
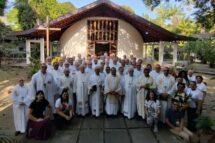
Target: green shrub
{"x":34,"y":66}
{"x":205,"y":124}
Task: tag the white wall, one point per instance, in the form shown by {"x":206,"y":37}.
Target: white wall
{"x":74,"y":39}
{"x":129,"y":40}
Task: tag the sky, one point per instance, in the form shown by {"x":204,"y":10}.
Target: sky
{"x":137,"y":5}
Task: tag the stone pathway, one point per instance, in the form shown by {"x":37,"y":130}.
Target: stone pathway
{"x":109,"y":130}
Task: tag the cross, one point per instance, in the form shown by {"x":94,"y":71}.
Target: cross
{"x":47,"y":29}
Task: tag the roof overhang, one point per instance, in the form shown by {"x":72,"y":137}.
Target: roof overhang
{"x":149,"y":31}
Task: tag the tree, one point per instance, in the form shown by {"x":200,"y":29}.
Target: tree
{"x":50,"y":8}
{"x":172,"y":18}
{"x":205,"y":14}
{"x":26,"y":12}
{"x":2,"y":6}
{"x":13,"y":21}
{"x":27,"y":17}
{"x":128,"y":8}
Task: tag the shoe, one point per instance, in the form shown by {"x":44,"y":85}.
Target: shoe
{"x":155,"y":129}
{"x":17,"y":133}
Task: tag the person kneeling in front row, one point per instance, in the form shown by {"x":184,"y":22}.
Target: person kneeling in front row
{"x":64,"y":110}
{"x":175,"y":120}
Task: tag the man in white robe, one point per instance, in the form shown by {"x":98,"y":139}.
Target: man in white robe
{"x":49,"y":64}
{"x":43,"y":80}
{"x":95,"y":62}
{"x":67,"y":82}
{"x":20,"y":106}
{"x":156,"y":72}
{"x":95,"y":87}
{"x":56,"y":73}
{"x":165,"y":83}
{"x":72,"y":67}
{"x":112,"y":92}
{"x":115,"y":63}
{"x":89,"y":70}
{"x":129,"y":105}
{"x":138,"y":71}
{"x":143,"y":84}
{"x":81,"y":90}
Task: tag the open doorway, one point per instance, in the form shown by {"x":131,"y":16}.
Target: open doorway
{"x":101,"y":48}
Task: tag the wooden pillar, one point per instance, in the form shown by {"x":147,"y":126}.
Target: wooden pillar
{"x":28,"y":51}
{"x":153,"y":52}
{"x":145,"y":51}
{"x":42,"y":50}
{"x":161,"y":52}
{"x":51,"y":49}
{"x":47,"y":36}
{"x":175,"y":51}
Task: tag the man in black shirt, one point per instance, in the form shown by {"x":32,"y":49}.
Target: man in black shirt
{"x":175,"y":120}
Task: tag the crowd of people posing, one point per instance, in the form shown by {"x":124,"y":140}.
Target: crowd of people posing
{"x":77,"y":86}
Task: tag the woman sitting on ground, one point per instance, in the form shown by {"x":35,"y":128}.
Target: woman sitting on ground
{"x":39,"y":124}
{"x":64,"y":110}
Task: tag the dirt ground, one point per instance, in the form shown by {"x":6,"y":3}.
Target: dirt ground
{"x":8,"y":78}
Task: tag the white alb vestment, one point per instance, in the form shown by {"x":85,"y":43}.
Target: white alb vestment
{"x":67,"y":82}
{"x":46,"y":83}
{"x":138,"y":73}
{"x":142,"y":92}
{"x":129,"y":105}
{"x":20,"y":95}
{"x":164,"y":85}
{"x":81,"y":90}
{"x":112,"y":83}
{"x":96,"y":98}
{"x":154,"y":74}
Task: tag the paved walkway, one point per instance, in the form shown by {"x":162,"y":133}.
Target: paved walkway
{"x":109,"y":130}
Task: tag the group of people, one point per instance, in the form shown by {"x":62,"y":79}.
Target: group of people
{"x":77,"y":86}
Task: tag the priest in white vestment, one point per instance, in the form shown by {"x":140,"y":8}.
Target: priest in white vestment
{"x":56,"y":73}
{"x":138,"y":71}
{"x":165,"y":83}
{"x":43,"y":80}
{"x":81,"y":90}
{"x":143,"y":84}
{"x":112,"y":92}
{"x":20,"y":106}
{"x":156,"y":72}
{"x":67,"y":82}
{"x":129,"y":105}
{"x":49,"y":64}
{"x":95,"y":88}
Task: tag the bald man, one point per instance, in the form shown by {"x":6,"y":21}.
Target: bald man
{"x":81,"y":89}
{"x":112,"y":92}
{"x":165,"y":83}
{"x":129,"y":104}
{"x":95,"y":88}
{"x":20,"y":106}
{"x":43,"y":80}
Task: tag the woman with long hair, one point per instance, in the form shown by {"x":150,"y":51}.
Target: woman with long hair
{"x":64,"y":110}
{"x":39,"y":124}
